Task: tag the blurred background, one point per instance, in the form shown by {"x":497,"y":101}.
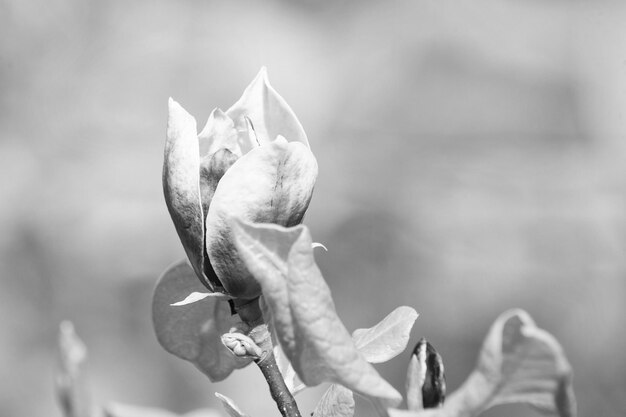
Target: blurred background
{"x":472,"y":159}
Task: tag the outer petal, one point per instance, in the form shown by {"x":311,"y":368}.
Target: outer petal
{"x":181,"y":172}
{"x":269,"y":112}
{"x":271,"y":184}
{"x":193,"y":331}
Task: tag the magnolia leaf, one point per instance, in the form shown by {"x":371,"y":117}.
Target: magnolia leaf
{"x":302,"y":310}
{"x":193,"y":331}
{"x":230,"y":406}
{"x":337,"y":401}
{"x":388,"y":338}
{"x":268,"y":111}
{"x":518,"y":363}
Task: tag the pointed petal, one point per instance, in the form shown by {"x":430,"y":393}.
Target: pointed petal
{"x":181,"y":167}
{"x":219,"y":133}
{"x":269,"y":112}
{"x":212,"y":169}
{"x":303,"y":313}
{"x":193,"y":332}
{"x":415,"y":376}
{"x":272,"y":184}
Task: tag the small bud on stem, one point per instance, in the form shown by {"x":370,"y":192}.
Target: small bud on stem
{"x":426,"y":382}
{"x":257,"y":343}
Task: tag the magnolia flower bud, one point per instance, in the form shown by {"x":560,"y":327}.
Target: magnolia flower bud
{"x":253,"y":162}
{"x":426,"y":382}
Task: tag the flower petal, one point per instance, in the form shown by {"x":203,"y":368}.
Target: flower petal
{"x":193,"y":331}
{"x":219,"y":133}
{"x":272,"y":184}
{"x":269,"y":112}
{"x":303,"y":313}
{"x":181,"y":171}
{"x":212,"y":169}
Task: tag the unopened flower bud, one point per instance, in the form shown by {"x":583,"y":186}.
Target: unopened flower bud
{"x":426,"y":382}
{"x":253,"y":162}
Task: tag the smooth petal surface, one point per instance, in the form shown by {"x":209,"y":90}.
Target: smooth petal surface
{"x":269,"y":112}
{"x":181,"y":171}
{"x":212,"y":169}
{"x":303,"y":313}
{"x":415,"y":376}
{"x":337,"y":401}
{"x":219,"y":133}
{"x":193,"y":332}
{"x":388,"y":338}
{"x":271,"y":184}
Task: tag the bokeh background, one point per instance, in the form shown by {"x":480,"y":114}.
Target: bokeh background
{"x":472,"y":158}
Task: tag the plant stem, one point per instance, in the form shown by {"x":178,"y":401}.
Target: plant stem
{"x":250,"y":314}
{"x":278,"y":389}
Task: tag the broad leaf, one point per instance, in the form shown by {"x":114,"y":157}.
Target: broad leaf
{"x":193,"y":331}
{"x":302,"y":310}
{"x":388,"y":338}
{"x":229,"y":405}
{"x":337,"y":401}
{"x":518,"y":363}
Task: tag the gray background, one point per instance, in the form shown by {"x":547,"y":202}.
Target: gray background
{"x":471,"y":154}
